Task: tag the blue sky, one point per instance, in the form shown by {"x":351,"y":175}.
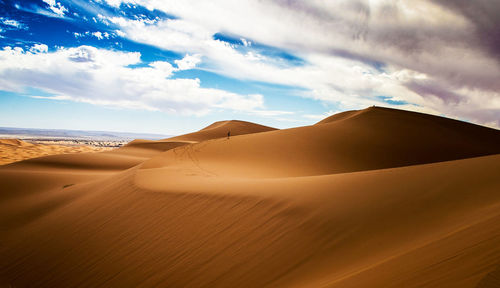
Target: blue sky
{"x":172,"y":67}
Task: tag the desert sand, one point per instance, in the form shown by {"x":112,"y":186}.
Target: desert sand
{"x":13,"y":150}
{"x":371,"y":198}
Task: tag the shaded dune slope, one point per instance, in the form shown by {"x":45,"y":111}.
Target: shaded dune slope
{"x":88,"y":161}
{"x":303,"y":207}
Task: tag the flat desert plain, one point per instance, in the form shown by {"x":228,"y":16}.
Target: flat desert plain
{"x":371,"y":198}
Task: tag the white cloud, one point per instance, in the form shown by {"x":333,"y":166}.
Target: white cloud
{"x":98,"y":35}
{"x":56,"y":7}
{"x":39,"y":48}
{"x":348,"y":83}
{"x":319,"y":117}
{"x":12,"y":24}
{"x":102,"y":77}
{"x":50,"y":2}
{"x":245,"y":42}
{"x":271,"y":113}
{"x":188,"y":62}
{"x":114,"y":3}
{"x":120,"y":33}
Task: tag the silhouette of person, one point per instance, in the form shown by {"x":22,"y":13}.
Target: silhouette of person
{"x":228,"y":134}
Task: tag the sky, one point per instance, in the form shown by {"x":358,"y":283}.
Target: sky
{"x":171,"y":67}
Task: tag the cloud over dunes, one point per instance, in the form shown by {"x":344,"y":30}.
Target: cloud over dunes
{"x":105,"y":77}
{"x":433,"y":56}
{"x":397,"y":49}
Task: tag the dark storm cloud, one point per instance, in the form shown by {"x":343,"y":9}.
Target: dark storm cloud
{"x":455,"y":44}
{"x":485,"y":15}
{"x":330,"y":15}
{"x":426,"y":88}
{"x":378,"y":33}
{"x":366,"y":59}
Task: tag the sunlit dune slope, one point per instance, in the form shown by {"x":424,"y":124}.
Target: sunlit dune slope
{"x":220,"y":130}
{"x":12,"y":150}
{"x":373,"y":138}
{"x":15,"y":142}
{"x":216,"y":130}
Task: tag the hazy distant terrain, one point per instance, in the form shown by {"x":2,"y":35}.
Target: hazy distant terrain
{"x":13,"y":150}
{"x":59,"y":134}
{"x":23,"y":143}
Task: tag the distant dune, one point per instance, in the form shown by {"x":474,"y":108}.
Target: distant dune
{"x":371,"y":198}
{"x":221,"y":128}
{"x":12,"y":150}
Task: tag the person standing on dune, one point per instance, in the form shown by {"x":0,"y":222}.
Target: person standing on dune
{"x":228,"y":134}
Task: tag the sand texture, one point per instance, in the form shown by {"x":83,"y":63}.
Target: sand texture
{"x":371,"y":198}
{"x":13,"y":150}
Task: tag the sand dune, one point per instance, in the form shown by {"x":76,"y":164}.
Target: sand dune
{"x":15,"y":142}
{"x":370,"y":198}
{"x":373,"y":138}
{"x":12,"y":150}
{"x":220,"y":130}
